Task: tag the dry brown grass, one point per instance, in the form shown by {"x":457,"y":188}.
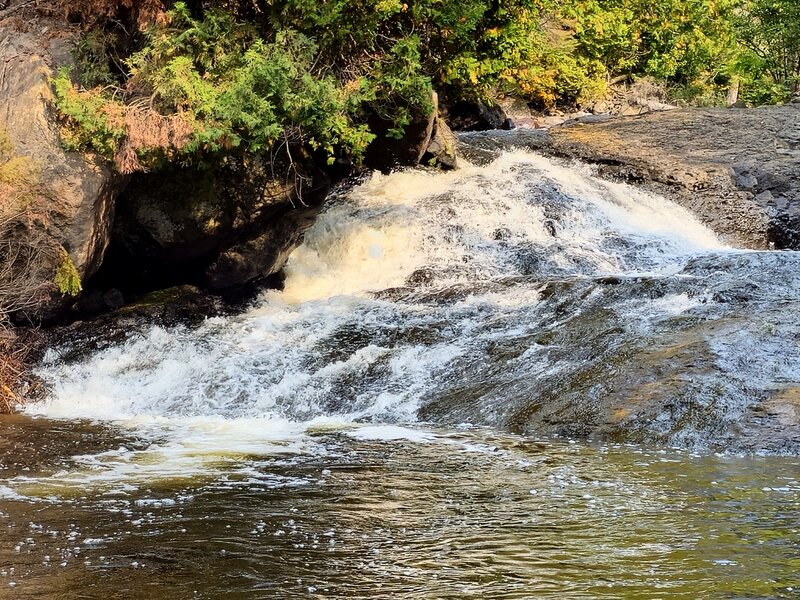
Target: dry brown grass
{"x":26,"y":254}
{"x":24,"y":280}
{"x":146,"y":128}
{"x":26,"y":266}
{"x":17,"y":384}
{"x":141,"y":12}
{"x":27,"y":257}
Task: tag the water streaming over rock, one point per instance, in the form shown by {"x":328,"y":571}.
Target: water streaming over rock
{"x":349,"y":435}
{"x":520,"y":293}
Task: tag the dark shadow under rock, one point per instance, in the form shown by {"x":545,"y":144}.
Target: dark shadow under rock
{"x":217,"y":228}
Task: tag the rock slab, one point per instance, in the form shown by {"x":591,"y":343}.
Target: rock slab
{"x":738,"y":169}
{"x":80,"y":190}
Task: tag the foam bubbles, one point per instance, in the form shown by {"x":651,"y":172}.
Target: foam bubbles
{"x":393,"y":286}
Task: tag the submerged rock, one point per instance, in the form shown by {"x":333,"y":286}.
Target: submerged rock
{"x":180,"y":306}
{"x":648,"y":360}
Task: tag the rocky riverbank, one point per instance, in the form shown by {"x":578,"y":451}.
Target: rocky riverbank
{"x":220,"y":227}
{"x":737,"y":169}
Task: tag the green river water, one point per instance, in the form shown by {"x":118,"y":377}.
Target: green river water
{"x":395,"y":513}
{"x":396,"y":422}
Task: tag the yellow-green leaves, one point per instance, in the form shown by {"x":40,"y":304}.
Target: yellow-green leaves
{"x":67,"y":278}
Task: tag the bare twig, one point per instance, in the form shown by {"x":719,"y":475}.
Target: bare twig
{"x":17,"y":7}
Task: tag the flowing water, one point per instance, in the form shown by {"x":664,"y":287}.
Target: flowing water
{"x":397,"y":422}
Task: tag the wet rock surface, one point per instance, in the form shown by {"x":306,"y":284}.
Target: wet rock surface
{"x":703,"y":374}
{"x":524,"y":295}
{"x":737,"y":169}
{"x":442,"y":150}
{"x":176,"y":307}
{"x":216,"y":228}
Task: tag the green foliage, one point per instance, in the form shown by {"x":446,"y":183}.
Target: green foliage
{"x":208,"y":86}
{"x":699,"y":93}
{"x":667,"y":39}
{"x":92,"y":60}
{"x":702,"y":46}
{"x":67,"y":278}
{"x":92,"y":121}
{"x":241,"y":90}
{"x":768,"y":32}
{"x":252,"y":76}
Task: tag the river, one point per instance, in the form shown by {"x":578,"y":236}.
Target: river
{"x":514,"y":380}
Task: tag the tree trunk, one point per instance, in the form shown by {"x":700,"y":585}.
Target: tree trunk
{"x":733,"y":92}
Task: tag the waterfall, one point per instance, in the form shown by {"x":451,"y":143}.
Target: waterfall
{"x":398,"y":282}
{"x":404,"y":416}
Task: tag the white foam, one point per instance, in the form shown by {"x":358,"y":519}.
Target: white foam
{"x":391,"y":433}
{"x":327,"y":352}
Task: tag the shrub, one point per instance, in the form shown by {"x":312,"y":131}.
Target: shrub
{"x":202,"y":88}
{"x":250,"y":76}
{"x":26,"y":252}
{"x":218,"y":77}
{"x":668,"y":39}
{"x":67,"y":278}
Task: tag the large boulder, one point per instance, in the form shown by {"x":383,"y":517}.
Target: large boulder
{"x":78,"y":191}
{"x":476,"y":116}
{"x":386,"y":152}
{"x":217,"y":228}
{"x":428,"y":140}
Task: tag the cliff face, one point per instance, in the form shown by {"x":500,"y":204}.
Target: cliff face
{"x":78,"y":192}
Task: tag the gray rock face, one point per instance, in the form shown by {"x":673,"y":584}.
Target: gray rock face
{"x":80,"y":190}
{"x":737,"y":169}
{"x":441,"y":149}
{"x":386,"y":152}
{"x":261,"y":255}
{"x":427,"y":141}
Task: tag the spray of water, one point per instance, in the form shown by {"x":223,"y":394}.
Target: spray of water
{"x":395,"y":285}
